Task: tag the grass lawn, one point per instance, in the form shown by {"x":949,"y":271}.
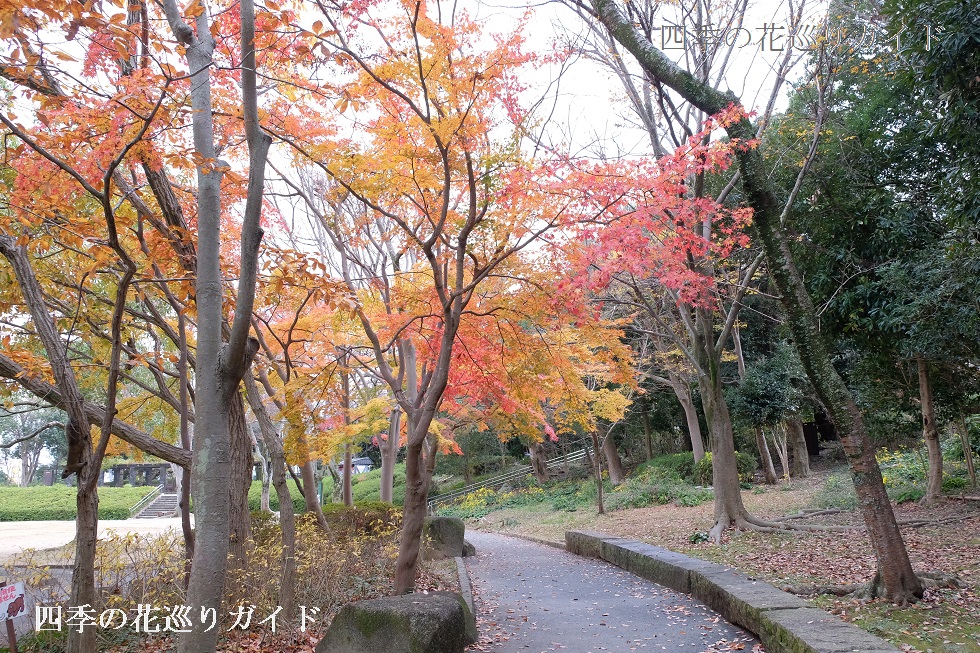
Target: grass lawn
{"x":57,"y":502}
{"x":946,"y":621}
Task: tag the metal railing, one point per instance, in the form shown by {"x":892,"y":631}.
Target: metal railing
{"x":145,"y":501}
{"x":517,"y":474}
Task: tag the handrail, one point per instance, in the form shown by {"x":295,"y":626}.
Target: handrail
{"x":145,"y":501}
{"x":520,"y":472}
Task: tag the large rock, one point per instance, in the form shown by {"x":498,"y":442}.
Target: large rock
{"x":469,"y":619}
{"x":443,"y":537}
{"x":411,"y":623}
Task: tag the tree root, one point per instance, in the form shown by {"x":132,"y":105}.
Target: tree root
{"x":870,"y":590}
{"x":782,"y":527}
{"x":749,"y":522}
{"x":811,"y":512}
{"x":920,"y":523}
{"x":746,"y":522}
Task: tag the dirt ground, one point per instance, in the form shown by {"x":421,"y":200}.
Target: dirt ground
{"x":944,"y":538}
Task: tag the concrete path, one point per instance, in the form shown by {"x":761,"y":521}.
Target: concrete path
{"x":15,"y":536}
{"x":532,"y":598}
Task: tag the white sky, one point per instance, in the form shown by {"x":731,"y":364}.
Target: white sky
{"x":590,"y":106}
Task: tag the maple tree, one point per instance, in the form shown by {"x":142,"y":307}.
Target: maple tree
{"x":119,"y":123}
{"x":687,"y":338}
{"x":451,"y":205}
{"x":79,"y":182}
{"x":895,"y":578}
{"x":664,"y":238}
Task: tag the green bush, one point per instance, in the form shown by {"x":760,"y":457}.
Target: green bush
{"x":565,"y":496}
{"x":255,"y":497}
{"x":681,"y":464}
{"x":656,"y":486}
{"x":951,"y":483}
{"x":746,"y":464}
{"x":905,"y":493}
{"x":837,"y":493}
{"x":57,"y":502}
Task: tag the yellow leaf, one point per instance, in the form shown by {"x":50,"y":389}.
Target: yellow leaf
{"x":195,"y":9}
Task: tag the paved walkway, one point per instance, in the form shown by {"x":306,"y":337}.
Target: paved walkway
{"x":15,"y":536}
{"x":532,"y":598}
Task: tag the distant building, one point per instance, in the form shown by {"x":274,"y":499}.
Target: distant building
{"x":358,"y":465}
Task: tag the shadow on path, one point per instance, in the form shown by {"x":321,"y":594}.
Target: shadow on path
{"x":534,"y":598}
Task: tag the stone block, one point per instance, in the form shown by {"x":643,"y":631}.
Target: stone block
{"x":586,"y":543}
{"x":654,"y":563}
{"x":443,"y":537}
{"x":738,"y":598}
{"x":809,"y":630}
{"x":411,"y":623}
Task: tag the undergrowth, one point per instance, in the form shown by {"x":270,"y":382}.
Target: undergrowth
{"x":355,"y":561}
{"x":904,"y":472}
{"x":666,"y":479}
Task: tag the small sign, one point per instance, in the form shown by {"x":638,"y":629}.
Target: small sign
{"x":12,"y":601}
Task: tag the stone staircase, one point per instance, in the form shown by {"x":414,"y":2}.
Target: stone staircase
{"x":165,"y":505}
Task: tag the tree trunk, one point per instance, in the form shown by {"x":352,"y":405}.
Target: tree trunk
{"x":597,"y":468}
{"x":219,"y":369}
{"x":310,"y":496}
{"x":729,"y":509}
{"x":86,"y":537}
{"x":338,"y":485}
{"x":967,"y":449}
{"x":257,"y":449}
{"x":82,"y":460}
{"x":800,"y":467}
{"x":264,"y":502}
{"x":613,"y":462}
{"x":895,"y":578}
{"x":186,"y":528}
{"x":184,"y":502}
{"x":779,"y":439}
{"x":647,"y":432}
{"x":389,"y":454}
{"x":765,"y":458}
{"x":25,"y":466}
{"x":539,"y":466}
{"x":930,"y":433}
{"x":348,"y":494}
{"x":239,"y":522}
{"x":287,"y":519}
{"x":418,"y":475}
{"x":682,"y":389}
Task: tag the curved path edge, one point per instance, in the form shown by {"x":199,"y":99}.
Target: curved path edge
{"x":784,"y":623}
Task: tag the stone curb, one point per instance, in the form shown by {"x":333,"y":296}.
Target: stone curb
{"x":465,"y":585}
{"x":784,"y":623}
{"x":536,"y":540}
